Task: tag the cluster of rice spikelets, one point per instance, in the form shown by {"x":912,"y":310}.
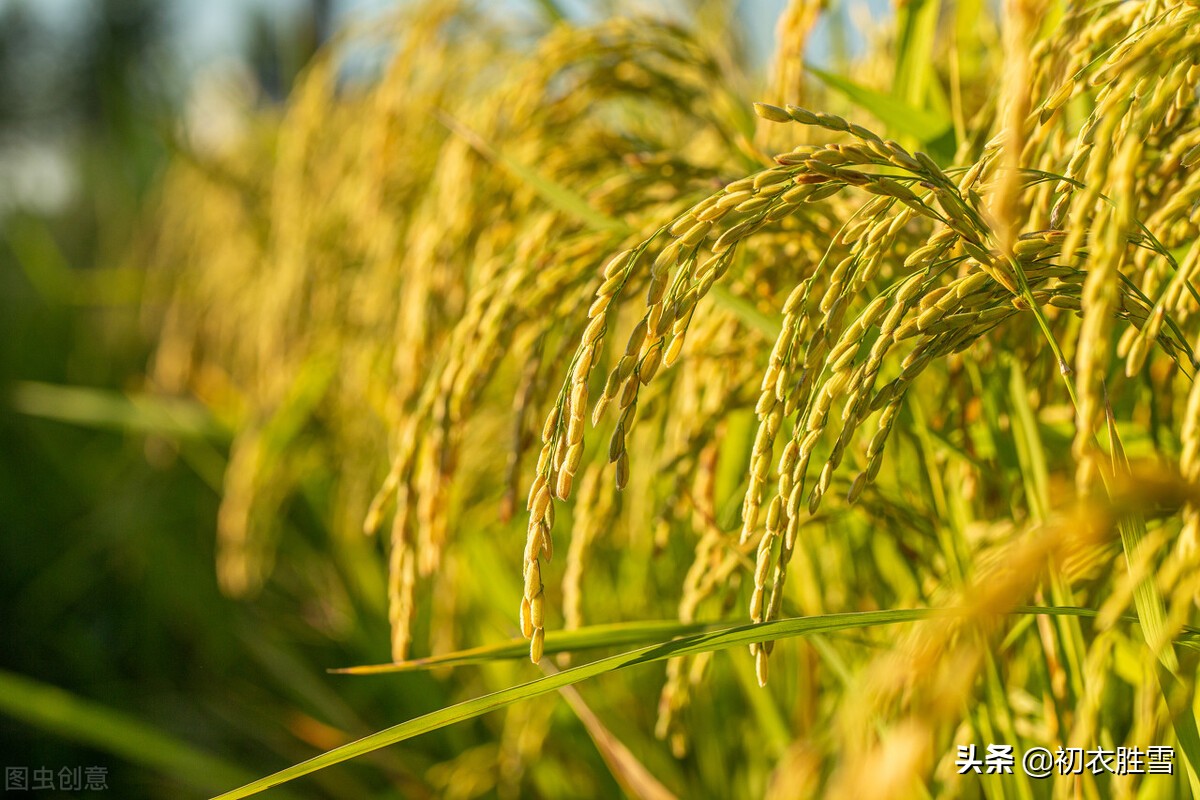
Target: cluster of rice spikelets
{"x":478,"y":269}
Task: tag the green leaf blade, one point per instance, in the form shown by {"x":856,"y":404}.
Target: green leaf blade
{"x":932,"y":130}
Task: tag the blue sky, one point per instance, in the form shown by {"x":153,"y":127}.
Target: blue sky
{"x":208,"y":33}
{"x":209,"y":29}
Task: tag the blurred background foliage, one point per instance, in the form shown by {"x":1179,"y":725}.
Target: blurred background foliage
{"x":281,"y":308}
{"x":106,"y":560}
{"x":119,"y":649}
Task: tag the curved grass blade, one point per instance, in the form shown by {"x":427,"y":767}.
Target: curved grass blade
{"x":595,"y":637}
{"x":721,"y":639}
{"x":916,"y":27}
{"x":934,"y":131}
{"x":1151,"y":608}
{"x":1152,"y":613}
{"x":696,"y":643}
{"x":744,"y":310}
{"x":589,"y":638}
{"x":100,"y":408}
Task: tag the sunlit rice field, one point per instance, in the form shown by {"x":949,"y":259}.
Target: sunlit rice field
{"x":825,"y":431}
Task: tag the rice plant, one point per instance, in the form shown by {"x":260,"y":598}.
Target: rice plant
{"x":896,"y":360}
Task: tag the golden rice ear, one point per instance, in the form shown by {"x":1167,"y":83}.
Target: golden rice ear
{"x":830,"y":334}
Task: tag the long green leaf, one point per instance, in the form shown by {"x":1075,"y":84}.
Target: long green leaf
{"x":1152,"y":614}
{"x":696,"y":643}
{"x":580,"y":639}
{"x":916,"y":24}
{"x":1151,"y":609}
{"x":100,"y":408}
{"x":1180,"y":698}
{"x":745,"y":311}
{"x":595,"y":637}
{"x":1030,"y":452}
{"x":928,"y":127}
